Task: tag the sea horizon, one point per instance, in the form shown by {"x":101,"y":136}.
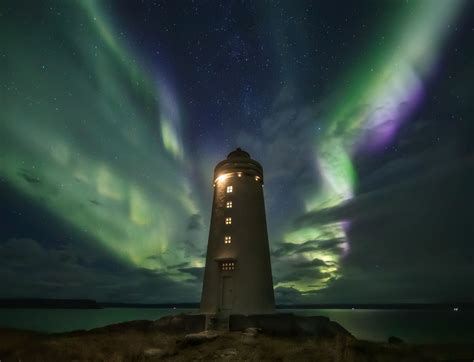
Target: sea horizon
{"x":52,"y":303}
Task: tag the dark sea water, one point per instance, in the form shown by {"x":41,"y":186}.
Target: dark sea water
{"x":431,"y":326}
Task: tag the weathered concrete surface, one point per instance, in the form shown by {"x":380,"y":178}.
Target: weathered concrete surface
{"x":201,"y":337}
{"x":155,"y":352}
{"x":288,"y":324}
{"x":182,"y":323}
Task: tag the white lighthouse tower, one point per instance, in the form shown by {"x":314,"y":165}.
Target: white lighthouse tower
{"x":238,"y":276}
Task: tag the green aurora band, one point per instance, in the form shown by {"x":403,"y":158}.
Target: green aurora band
{"x":81,"y":125}
{"x":374,"y":98}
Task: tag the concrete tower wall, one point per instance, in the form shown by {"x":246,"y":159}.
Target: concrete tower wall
{"x":247,"y":288}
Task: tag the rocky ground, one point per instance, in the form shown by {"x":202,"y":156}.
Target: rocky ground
{"x":146,"y":341}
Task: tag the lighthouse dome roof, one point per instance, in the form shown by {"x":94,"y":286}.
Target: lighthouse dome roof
{"x":239,"y":161}
{"x":238,"y":153}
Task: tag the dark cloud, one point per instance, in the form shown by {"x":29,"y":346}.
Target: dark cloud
{"x":288,"y":249}
{"x":286,"y":295}
{"x":28,"y":177}
{"x":315,"y":263}
{"x":195,"y":222}
{"x":179,"y":265}
{"x":408,"y":219}
{"x":30,"y":270}
{"x":410,"y":235}
{"x":302,"y":274}
{"x":290,"y":295}
{"x":196,"y":272}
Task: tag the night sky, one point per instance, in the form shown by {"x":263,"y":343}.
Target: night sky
{"x":114,"y":113}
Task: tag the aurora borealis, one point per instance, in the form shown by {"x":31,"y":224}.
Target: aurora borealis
{"x":114,"y":113}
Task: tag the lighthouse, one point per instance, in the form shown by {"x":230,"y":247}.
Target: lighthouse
{"x":238,"y":275}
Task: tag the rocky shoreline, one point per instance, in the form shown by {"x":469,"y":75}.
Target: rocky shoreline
{"x":187,"y":337}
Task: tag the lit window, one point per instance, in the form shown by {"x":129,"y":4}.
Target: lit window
{"x":227,"y":265}
{"x":227,"y":240}
{"x":228,"y":220}
{"x":229,"y":189}
{"x":228,"y":204}
{"x":239,"y":174}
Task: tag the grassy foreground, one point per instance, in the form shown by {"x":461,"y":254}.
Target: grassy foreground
{"x":129,"y":342}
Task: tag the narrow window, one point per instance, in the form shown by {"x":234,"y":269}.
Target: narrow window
{"x":227,"y":239}
{"x":227,"y":265}
{"x":228,"y":220}
{"x":228,"y":204}
{"x":229,"y":189}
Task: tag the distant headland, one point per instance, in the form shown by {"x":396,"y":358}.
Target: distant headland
{"x":44,"y":303}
